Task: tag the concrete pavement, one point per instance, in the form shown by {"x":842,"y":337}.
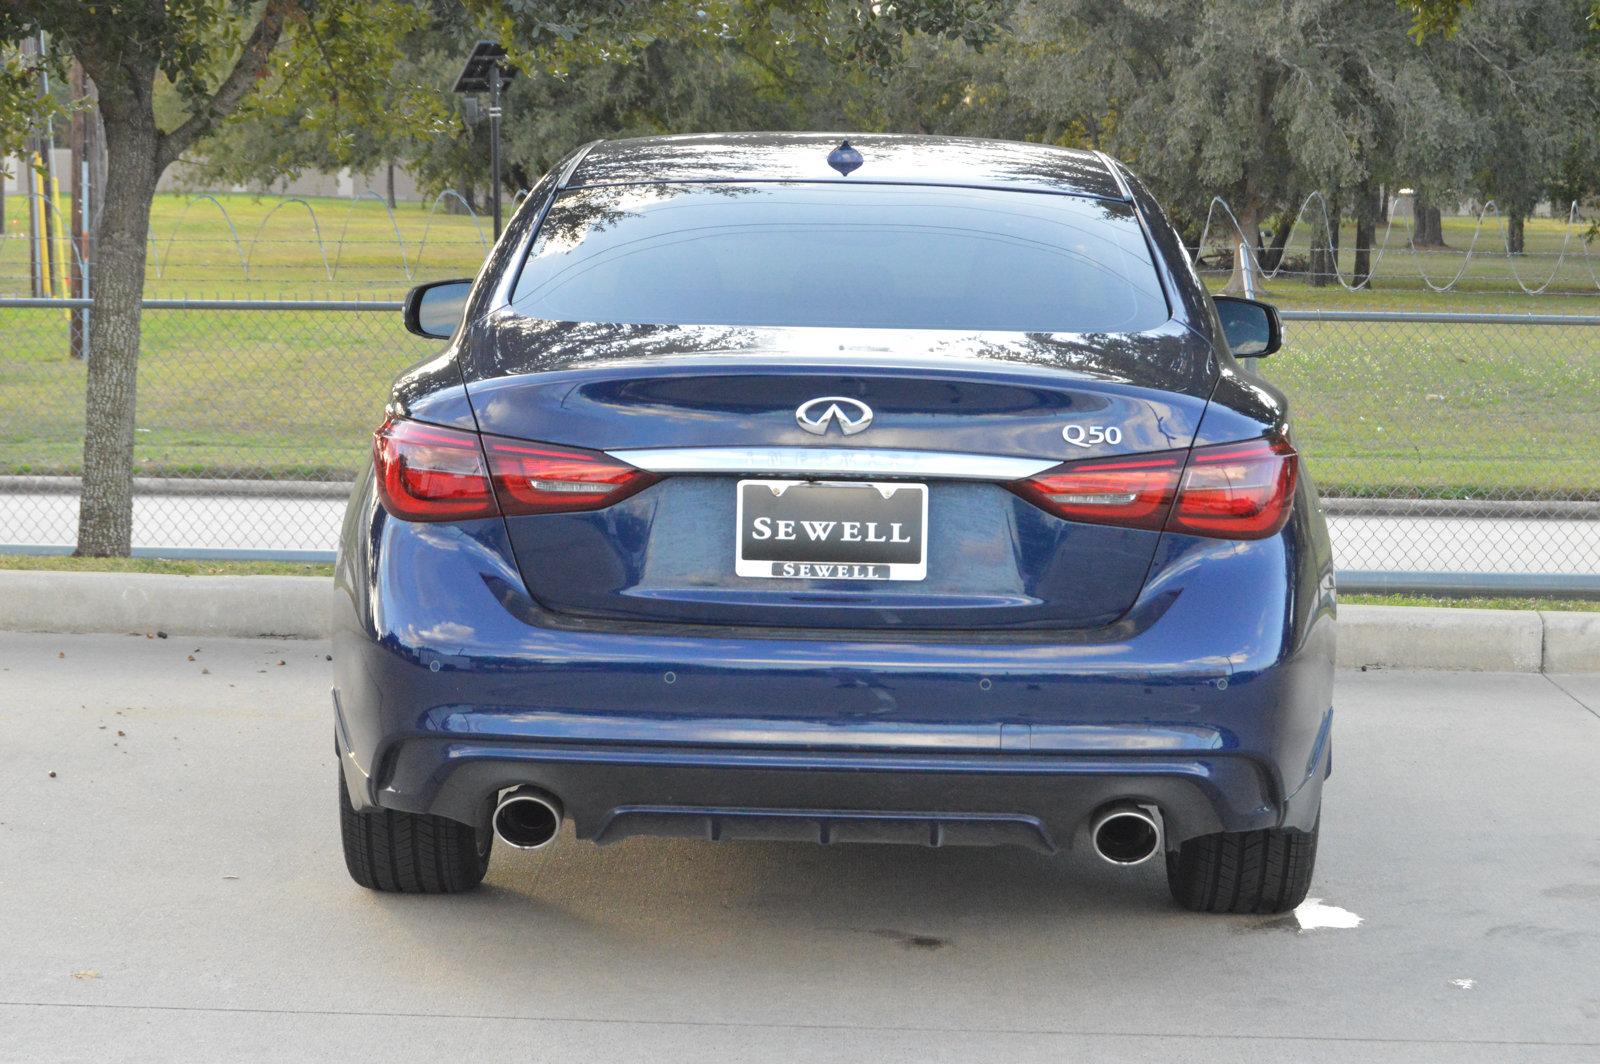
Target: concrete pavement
{"x":175,"y":891}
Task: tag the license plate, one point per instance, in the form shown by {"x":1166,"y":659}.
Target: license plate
{"x":806,"y":530}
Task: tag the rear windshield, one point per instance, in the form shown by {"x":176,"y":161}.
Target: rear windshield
{"x":847,"y":256}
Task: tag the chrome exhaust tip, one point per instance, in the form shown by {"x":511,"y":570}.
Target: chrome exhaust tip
{"x":1126,"y":834}
{"x":527,"y":819}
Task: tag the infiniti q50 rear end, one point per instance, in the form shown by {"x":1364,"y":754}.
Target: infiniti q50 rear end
{"x":922,"y":501}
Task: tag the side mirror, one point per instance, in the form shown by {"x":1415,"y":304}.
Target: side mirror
{"x":435,"y":309}
{"x":1251,"y":327}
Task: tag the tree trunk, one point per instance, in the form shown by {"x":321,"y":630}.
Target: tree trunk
{"x":105,"y":516}
{"x":1272,"y":255}
{"x":1336,"y":220}
{"x":1514,"y":232}
{"x":1325,"y":249}
{"x":389,"y":185}
{"x":1367,"y":211}
{"x":124,"y":73}
{"x":1427,"y":230}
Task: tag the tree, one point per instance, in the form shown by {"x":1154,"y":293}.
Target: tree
{"x":213,"y":53}
{"x":291,"y":125}
{"x":751,"y":64}
{"x":663,"y":87}
{"x":1430,"y":17}
{"x":330,"y":63}
{"x":1259,"y":104}
{"x":1527,"y":76}
{"x":24,"y":108}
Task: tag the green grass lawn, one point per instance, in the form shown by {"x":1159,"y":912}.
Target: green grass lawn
{"x":270,"y":247}
{"x":1443,"y":410}
{"x":1571,"y":605}
{"x":1403,"y":274}
{"x":1435,"y":409}
{"x":66,"y":564}
{"x":1380,"y":409}
{"x":229,"y":393}
{"x":237,"y":245}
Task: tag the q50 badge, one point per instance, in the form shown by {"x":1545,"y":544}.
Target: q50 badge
{"x":1092,"y":435}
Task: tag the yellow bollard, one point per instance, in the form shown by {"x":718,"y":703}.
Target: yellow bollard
{"x":63,"y":243}
{"x":45,"y":279}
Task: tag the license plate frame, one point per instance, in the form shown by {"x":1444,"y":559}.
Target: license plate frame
{"x":803,"y":556}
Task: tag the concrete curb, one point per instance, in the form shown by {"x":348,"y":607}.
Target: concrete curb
{"x":1571,"y":642}
{"x":294,"y":607}
{"x":1428,"y":637}
{"x":297,"y":607}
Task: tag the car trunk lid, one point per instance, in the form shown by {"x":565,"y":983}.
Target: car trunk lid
{"x":953,"y":418}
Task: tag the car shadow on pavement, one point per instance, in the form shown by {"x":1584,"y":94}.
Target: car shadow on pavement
{"x":917,"y":899}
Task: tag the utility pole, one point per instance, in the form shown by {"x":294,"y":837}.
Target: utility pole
{"x":50,"y":207}
{"x":78,"y":222}
{"x":494,"y":144}
{"x":27,"y":182}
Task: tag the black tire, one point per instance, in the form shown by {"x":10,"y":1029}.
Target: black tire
{"x":1243,"y":872}
{"x":410,"y":853}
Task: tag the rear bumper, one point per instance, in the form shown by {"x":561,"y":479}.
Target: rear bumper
{"x":1042,"y":802}
{"x":1212,"y":705}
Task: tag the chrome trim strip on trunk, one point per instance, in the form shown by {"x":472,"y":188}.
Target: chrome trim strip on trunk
{"x":935,"y":465}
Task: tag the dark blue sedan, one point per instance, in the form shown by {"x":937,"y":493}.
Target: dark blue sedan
{"x":904,"y":490}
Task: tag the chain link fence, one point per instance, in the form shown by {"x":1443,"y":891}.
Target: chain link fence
{"x":1454,"y":451}
{"x":253,"y":418}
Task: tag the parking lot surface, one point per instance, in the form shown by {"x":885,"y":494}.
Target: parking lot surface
{"x":172,"y":890}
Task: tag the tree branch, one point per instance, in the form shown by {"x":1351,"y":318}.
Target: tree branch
{"x":247,"y":70}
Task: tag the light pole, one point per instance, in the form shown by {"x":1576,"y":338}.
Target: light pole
{"x":494,"y":143}
{"x":485,"y":72}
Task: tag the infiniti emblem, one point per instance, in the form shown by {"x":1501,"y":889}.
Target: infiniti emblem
{"x":852,"y":415}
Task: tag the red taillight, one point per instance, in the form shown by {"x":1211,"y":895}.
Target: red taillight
{"x":1135,"y":491}
{"x":538,"y":478}
{"x":1234,"y":491}
{"x":1237,"y":490}
{"x":428,"y":473}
